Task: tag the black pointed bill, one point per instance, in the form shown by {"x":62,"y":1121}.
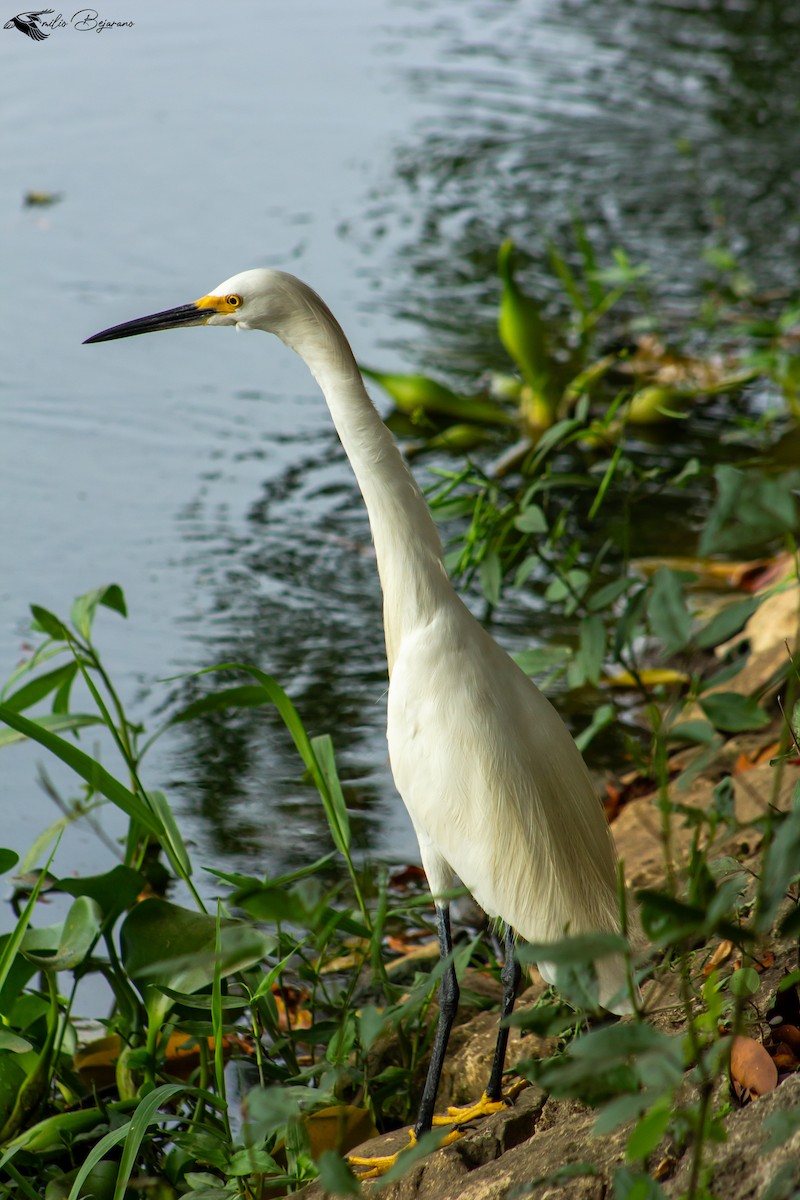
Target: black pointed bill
{"x":172,"y":318}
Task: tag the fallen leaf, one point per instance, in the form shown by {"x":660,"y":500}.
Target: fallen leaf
{"x":296,"y":1017}
{"x":723,"y":951}
{"x":751,"y":1067}
{"x":790,"y":1035}
{"x":405,"y":876}
{"x":96,"y":1062}
{"x":784,"y":1057}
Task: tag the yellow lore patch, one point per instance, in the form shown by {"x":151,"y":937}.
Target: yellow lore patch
{"x":220,"y":304}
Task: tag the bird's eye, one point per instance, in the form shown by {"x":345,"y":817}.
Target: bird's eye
{"x":233,"y":301}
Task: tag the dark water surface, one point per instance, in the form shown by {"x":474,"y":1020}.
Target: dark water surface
{"x":382,"y":151}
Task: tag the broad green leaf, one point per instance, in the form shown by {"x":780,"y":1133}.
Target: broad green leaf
{"x":114,"y":891}
{"x":99,"y":1183}
{"x":80,"y":931}
{"x":700,"y":732}
{"x":491,"y":577}
{"x":578,"y":949}
{"x":47,"y":622}
{"x":649,"y":1131}
{"x":608,"y":594}
{"x":162,"y":943}
{"x":667,"y":611}
{"x":733,"y":712}
{"x":726,"y":623}
{"x":34,"y":691}
{"x":630,"y":1186}
{"x":531,"y":520}
{"x":539,"y":659}
{"x":752,"y":507}
{"x":8,"y":859}
{"x":414,"y":392}
{"x":335,"y":1177}
{"x":85,"y":607}
{"x":744,"y":982}
{"x":782,"y":864}
{"x":591,"y":648}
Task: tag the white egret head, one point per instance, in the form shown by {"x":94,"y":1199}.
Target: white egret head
{"x":256,"y":299}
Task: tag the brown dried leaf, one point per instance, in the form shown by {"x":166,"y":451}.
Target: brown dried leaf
{"x":723,"y":951}
{"x":751,"y":1066}
{"x":784,"y":1057}
{"x":789,"y":1034}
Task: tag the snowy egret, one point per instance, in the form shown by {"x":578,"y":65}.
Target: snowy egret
{"x":495,"y":786}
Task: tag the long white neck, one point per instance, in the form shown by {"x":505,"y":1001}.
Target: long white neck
{"x":407,"y":543}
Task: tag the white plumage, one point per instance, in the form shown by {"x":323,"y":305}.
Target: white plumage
{"x":494,"y":784}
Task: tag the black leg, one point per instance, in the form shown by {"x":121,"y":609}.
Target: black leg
{"x":448,"y":1005}
{"x":510,"y":976}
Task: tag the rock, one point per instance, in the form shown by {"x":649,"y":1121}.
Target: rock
{"x":739,"y":1168}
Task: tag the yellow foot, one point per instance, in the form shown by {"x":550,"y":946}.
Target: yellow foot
{"x":374,"y":1167}
{"x":483,"y":1108}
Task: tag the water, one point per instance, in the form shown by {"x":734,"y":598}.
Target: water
{"x":382,"y":151}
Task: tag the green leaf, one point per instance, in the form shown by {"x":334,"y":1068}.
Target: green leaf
{"x":578,"y":949}
{"x":51,"y":723}
{"x":114,"y":891}
{"x":85,"y":607}
{"x":667,"y":611}
{"x":243,"y":696}
{"x":727,"y":623}
{"x":602,"y":717}
{"x":744,"y":982}
{"x":491,"y":577}
{"x":335,"y":1177}
{"x":8,"y":859}
{"x":520,"y":325}
{"x":751,"y":507}
{"x":132,"y":1134}
{"x":539,"y":659}
{"x":666,"y":919}
{"x":648,"y":1131}
{"x":732,"y":712}
{"x":412,"y":393}
{"x":782,"y":865}
{"x":47,"y":622}
{"x":592,"y":646}
{"x":700,"y":732}
{"x":531,"y":520}
{"x":162,"y":943}
{"x":170,"y":835}
{"x":34,"y":691}
{"x":80,"y":931}
{"x":629,"y":1186}
{"x":607,"y":595}
{"x":322,"y":747}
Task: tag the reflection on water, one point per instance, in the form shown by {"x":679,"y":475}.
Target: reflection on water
{"x":298,"y":596}
{"x":666,"y":128}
